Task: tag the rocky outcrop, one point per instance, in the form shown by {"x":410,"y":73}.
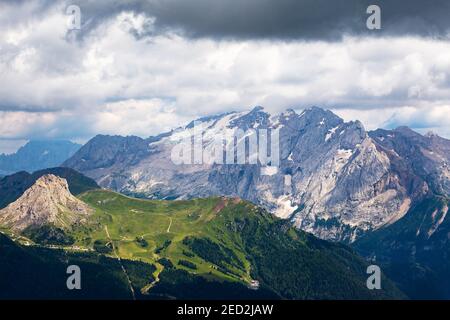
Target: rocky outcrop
{"x":13,"y":186}
{"x":47,"y":201}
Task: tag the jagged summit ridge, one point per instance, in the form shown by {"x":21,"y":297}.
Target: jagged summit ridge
{"x":343,"y":181}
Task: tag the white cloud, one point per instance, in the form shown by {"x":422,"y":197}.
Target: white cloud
{"x":140,"y":117}
{"x":110,"y":82}
{"x":11,"y":146}
{"x":15,"y":125}
{"x":433,"y":118}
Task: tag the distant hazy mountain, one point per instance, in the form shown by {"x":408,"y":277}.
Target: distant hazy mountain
{"x":345,"y":181}
{"x":36,"y":155}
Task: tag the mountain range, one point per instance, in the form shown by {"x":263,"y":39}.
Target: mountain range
{"x":385,"y":193}
{"x":36,"y":155}
{"x":344,"y":180}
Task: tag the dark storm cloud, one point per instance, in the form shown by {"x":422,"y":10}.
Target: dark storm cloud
{"x":279,"y":19}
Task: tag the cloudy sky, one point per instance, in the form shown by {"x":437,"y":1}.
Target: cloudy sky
{"x":143,"y":67}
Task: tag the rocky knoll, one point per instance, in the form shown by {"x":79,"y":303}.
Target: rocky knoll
{"x":47,"y":201}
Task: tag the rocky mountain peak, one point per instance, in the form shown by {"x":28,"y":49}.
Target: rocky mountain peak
{"x":407,"y":132}
{"x":339,"y":175}
{"x":51,"y":181}
{"x":319,"y":113}
{"x":47,"y":201}
{"x":257,"y":117}
{"x":257,"y":109}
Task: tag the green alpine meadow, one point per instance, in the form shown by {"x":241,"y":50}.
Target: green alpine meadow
{"x":197,"y":249}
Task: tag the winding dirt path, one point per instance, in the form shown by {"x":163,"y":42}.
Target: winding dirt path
{"x":147,"y":288}
{"x":121,"y":265}
{"x":170,"y":224}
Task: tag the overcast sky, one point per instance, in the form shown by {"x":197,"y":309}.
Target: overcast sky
{"x":143,"y":67}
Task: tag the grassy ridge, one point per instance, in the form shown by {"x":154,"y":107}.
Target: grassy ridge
{"x":164,"y":225}
{"x":225,"y":240}
{"x":213,"y":248}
